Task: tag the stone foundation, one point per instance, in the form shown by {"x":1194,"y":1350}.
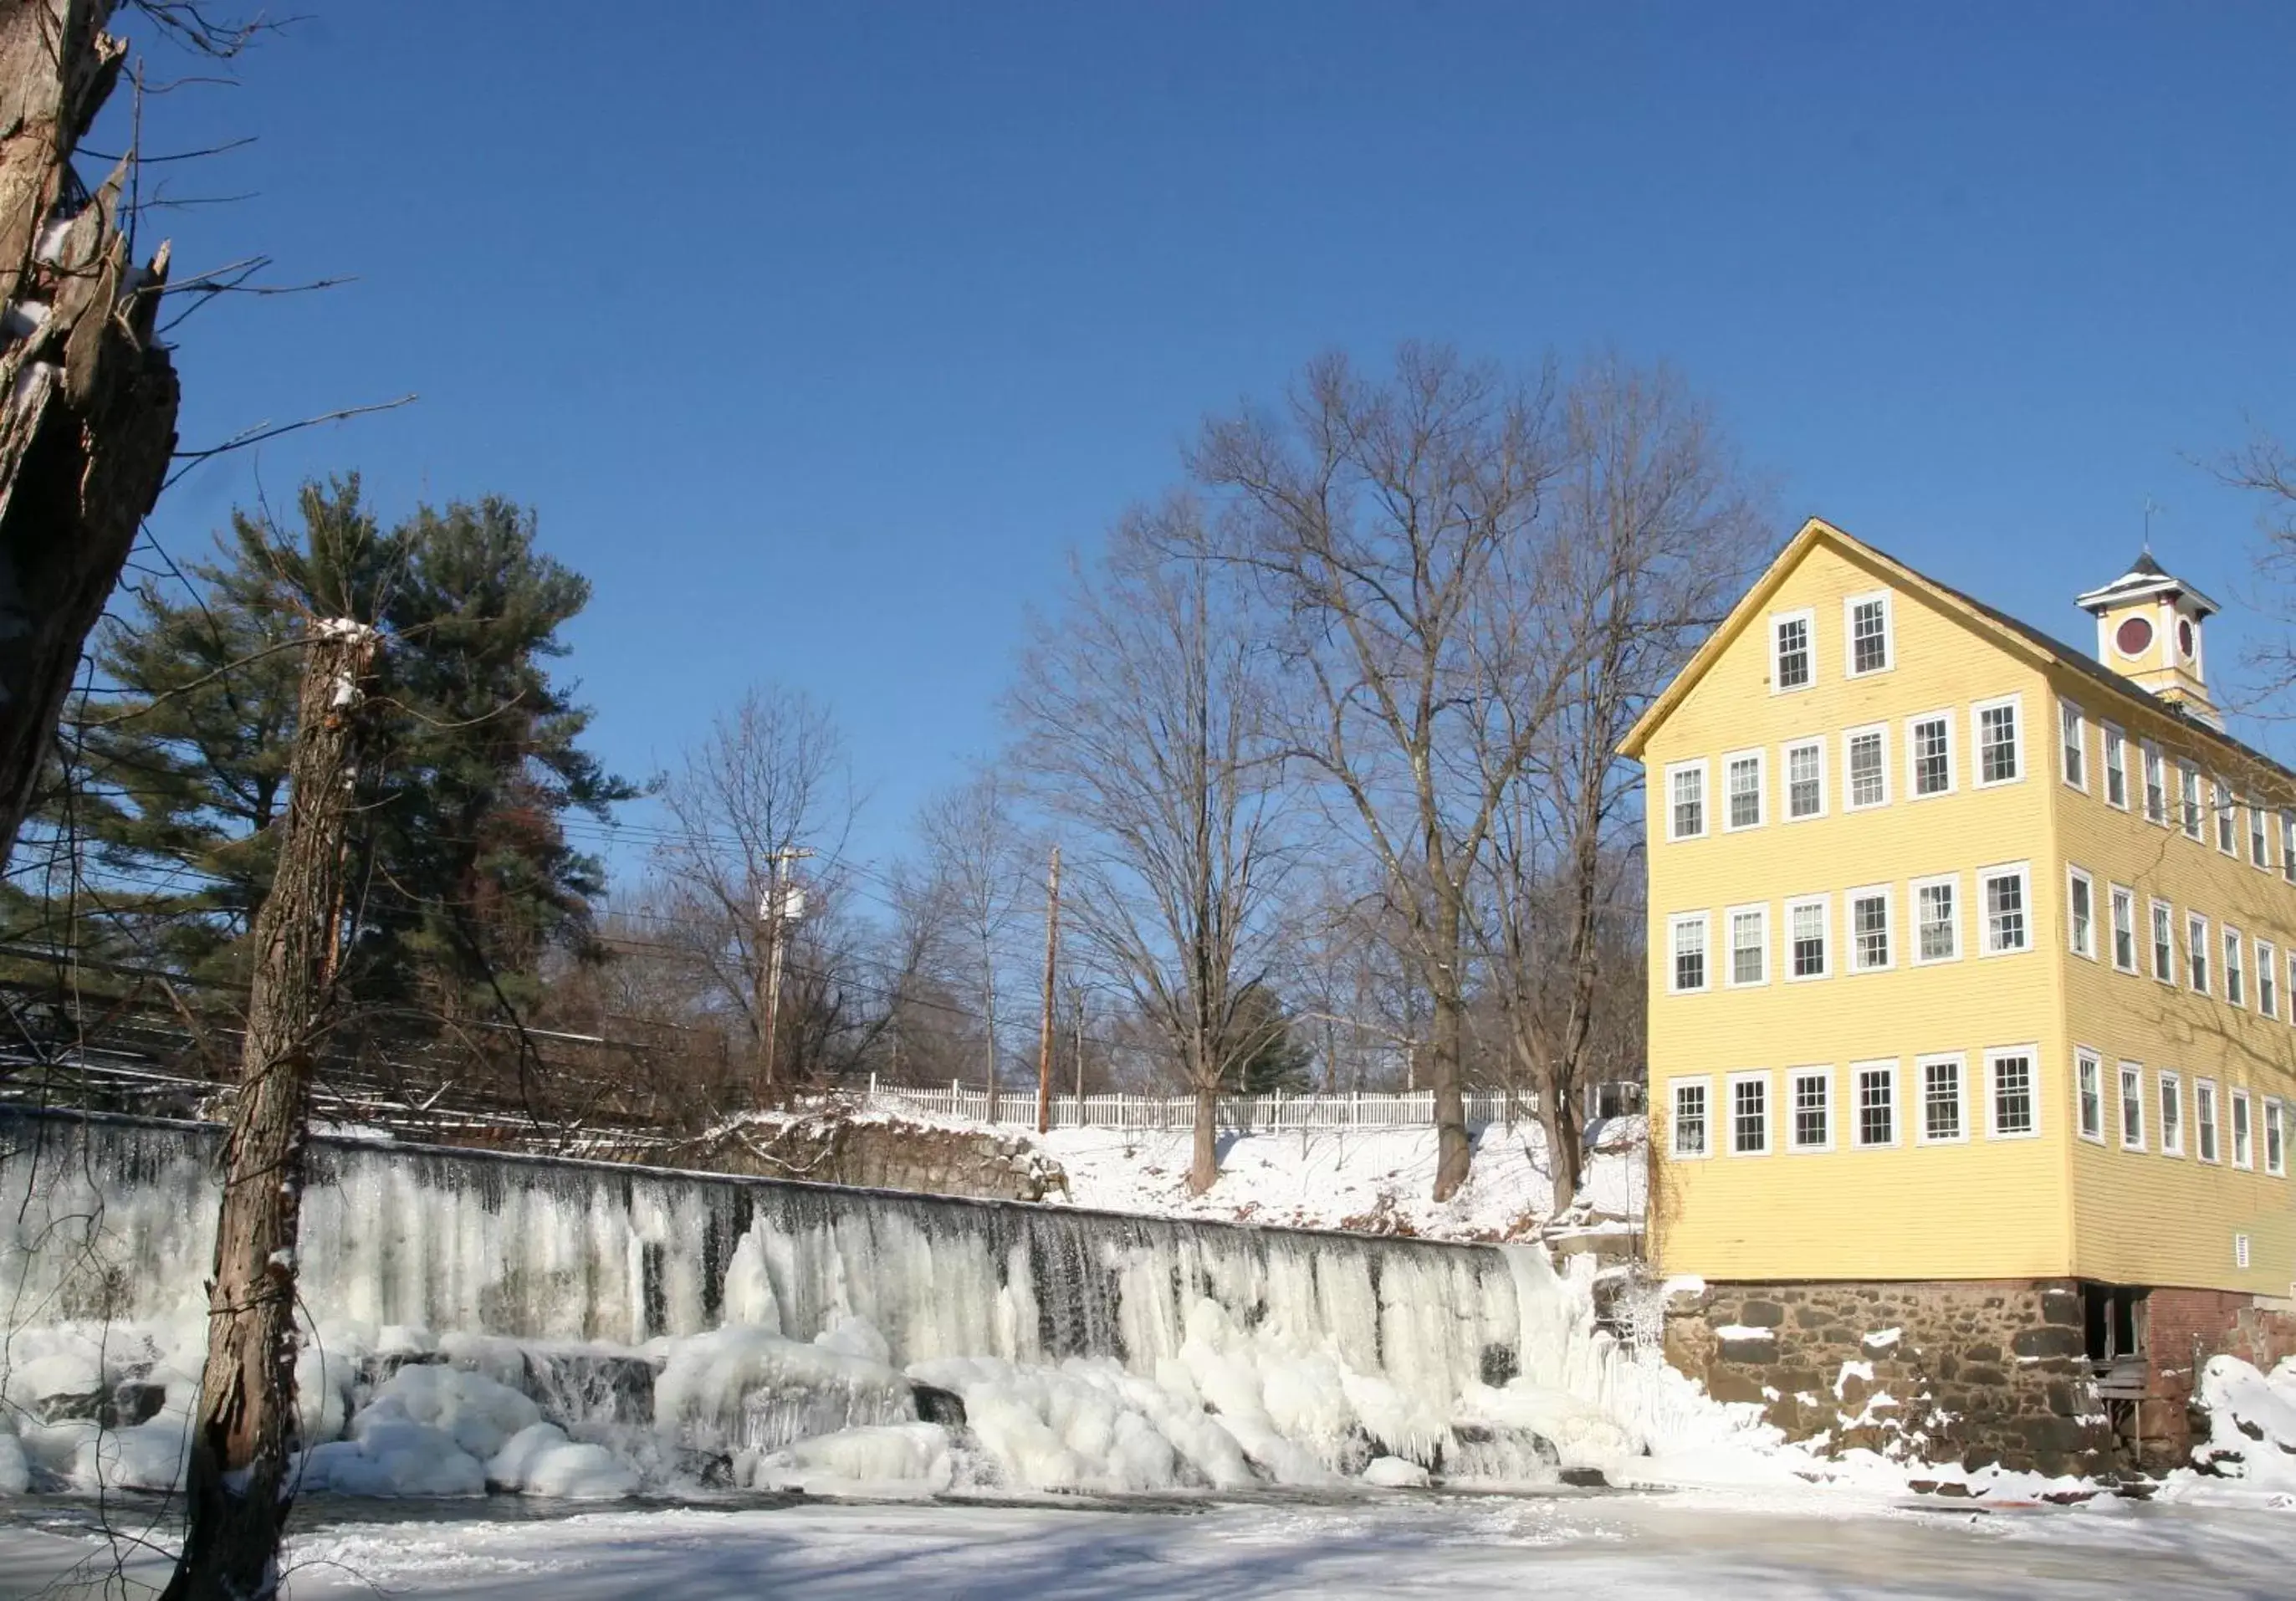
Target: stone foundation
{"x":876,"y":1152}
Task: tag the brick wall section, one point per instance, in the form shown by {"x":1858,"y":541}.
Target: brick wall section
{"x":2183,"y":1328}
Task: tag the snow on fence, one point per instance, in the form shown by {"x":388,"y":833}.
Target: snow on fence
{"x":1367,"y":1109}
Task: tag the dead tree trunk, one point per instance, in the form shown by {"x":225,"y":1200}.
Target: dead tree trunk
{"x":88,"y":395}
{"x":238,"y":1499}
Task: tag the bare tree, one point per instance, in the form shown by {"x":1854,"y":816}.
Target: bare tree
{"x":768,"y":788}
{"x":87,"y":394}
{"x":1655,"y":530}
{"x":981,"y":866}
{"x":1147,"y":716}
{"x":2267,"y":469}
{"x":1396,"y":523}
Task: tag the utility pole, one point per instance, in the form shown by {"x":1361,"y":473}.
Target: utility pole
{"x":1076,"y":1026}
{"x":239,"y":1490}
{"x":782,"y":903}
{"x":1052,"y":967}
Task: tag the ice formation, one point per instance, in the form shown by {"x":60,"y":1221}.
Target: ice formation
{"x":576,"y":1329}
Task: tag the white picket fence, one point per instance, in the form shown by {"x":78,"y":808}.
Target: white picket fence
{"x":1369,"y":1109}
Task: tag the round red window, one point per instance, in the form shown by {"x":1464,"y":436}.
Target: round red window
{"x":2185,"y":637}
{"x":2133,"y":637}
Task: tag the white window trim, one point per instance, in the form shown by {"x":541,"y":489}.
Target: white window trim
{"x":1794,"y":1076}
{"x":2001,"y":1053}
{"x":2083,"y":1056}
{"x":2288,"y":845}
{"x":2024,"y":873}
{"x":1850,"y":604}
{"x":2259,"y":835}
{"x":1857,"y":1140}
{"x":1730,"y":916}
{"x":1809,"y":624}
{"x":1913,"y":903}
{"x":1705,"y":800}
{"x":2081,"y":742}
{"x":1680,"y":920}
{"x":2191,"y":804}
{"x":1769,"y":1113}
{"x":2080,"y":876}
{"x":1922,"y":1065}
{"x":1761,"y":758}
{"x":2223,"y":818}
{"x":2204,"y":1090}
{"x":2149,"y":757}
{"x":2276,"y":1116}
{"x":2166,"y":1086}
{"x":1785,"y":778}
{"x":2207,"y":954}
{"x":2120,"y":1106}
{"x":1824,"y":903}
{"x":2112,"y":732}
{"x":2114,"y":894}
{"x":1849,"y":802}
{"x":2238,"y":1099}
{"x":1705,"y":1082}
{"x":2236,"y":960}
{"x":1913,"y":756}
{"x":1977,"y":710}
{"x":2169,"y":907}
{"x":2268,"y":961}
{"x":1850,"y":898}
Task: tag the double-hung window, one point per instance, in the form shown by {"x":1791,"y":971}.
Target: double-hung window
{"x":1688,"y":942}
{"x":2164,"y":942}
{"x":1750,"y":945}
{"x":1688,"y":1127}
{"x":2244,"y":1132}
{"x":2228,"y":817}
{"x":1792,"y":652}
{"x":2000,"y":755}
{"x":1749,"y":1114}
{"x":2189,"y":799}
{"x":1804,"y":780}
{"x":2259,"y":837}
{"x":1867,"y":617}
{"x":2156,"y":786}
{"x":1943,"y":1122}
{"x":2288,"y":846}
{"x":2132,"y":1106}
{"x":2116,"y":767}
{"x":1812,"y":1089}
{"x":2089,"y":1091}
{"x":2204,"y":1119}
{"x":1877,"y":1102}
{"x":2004,"y":895}
{"x":2236,"y":967}
{"x":2080,"y":913}
{"x":2196,"y":952}
{"x":2276,"y":1138}
{"x":1685,"y":801}
{"x":1937,"y":919}
{"x":2010,"y":1094}
{"x":1865,"y":759}
{"x":2267,"y":979}
{"x":2124,"y":926}
{"x":2172,"y":1115}
{"x":1870,"y":949}
{"x":1806,"y":937}
{"x":1928,"y":754}
{"x":1743,"y":787}
{"x":2072,"y":741}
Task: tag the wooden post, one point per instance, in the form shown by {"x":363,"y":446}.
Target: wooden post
{"x":1052,"y":966}
{"x":239,"y":1499}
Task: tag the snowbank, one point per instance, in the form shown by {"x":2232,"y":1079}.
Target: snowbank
{"x":2249,"y":1455}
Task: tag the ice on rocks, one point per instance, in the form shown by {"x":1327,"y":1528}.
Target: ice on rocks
{"x":749,"y":1389}
{"x":884,"y":1459}
{"x":1395,"y":1473}
{"x":540,"y":1460}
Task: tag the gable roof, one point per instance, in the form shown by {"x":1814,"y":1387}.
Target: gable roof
{"x":2022,"y":638}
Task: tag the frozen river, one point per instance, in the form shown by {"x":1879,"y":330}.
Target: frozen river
{"x":1603,"y":1547}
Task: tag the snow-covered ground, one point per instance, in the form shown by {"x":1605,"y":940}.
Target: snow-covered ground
{"x":1398,"y":1546}
{"x":1378,"y":1179}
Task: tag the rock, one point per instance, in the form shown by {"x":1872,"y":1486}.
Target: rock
{"x":937,"y":1405}
{"x":2051,"y":1341}
{"x":1761,"y":1314}
{"x":1584,"y":1478}
{"x":1757,"y":1352}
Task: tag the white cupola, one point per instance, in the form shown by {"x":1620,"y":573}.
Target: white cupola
{"x":2149,"y":630}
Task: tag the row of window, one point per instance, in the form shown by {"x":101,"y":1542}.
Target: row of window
{"x":2203,"y":805}
{"x":1931,"y":767}
{"x":1941,"y":1115}
{"x":1747,"y":1123}
{"x":2168,"y":1098}
{"x":2198,"y":974}
{"x":1865,"y":626}
{"x":1872,"y":942}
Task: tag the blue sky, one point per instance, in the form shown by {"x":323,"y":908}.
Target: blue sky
{"x":818,"y":335}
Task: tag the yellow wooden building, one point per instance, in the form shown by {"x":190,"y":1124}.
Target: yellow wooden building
{"x":1972,"y":954}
